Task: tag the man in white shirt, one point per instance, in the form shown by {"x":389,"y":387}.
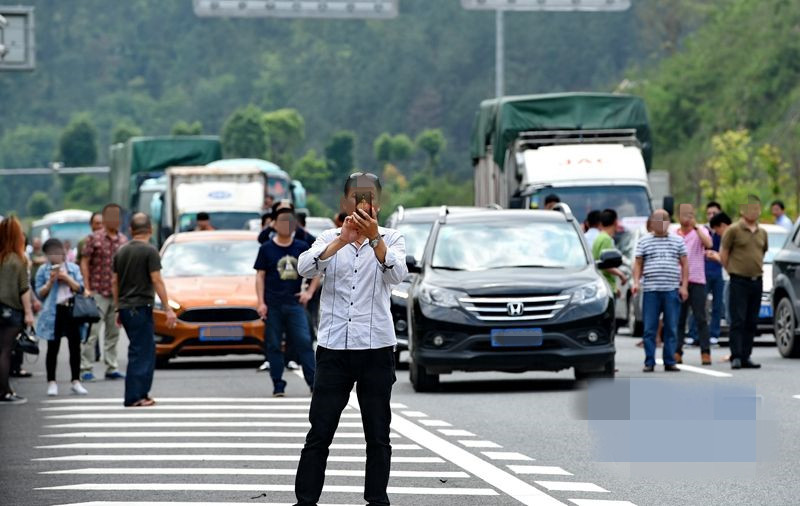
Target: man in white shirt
{"x":778,"y":210}
{"x":591,"y":227}
{"x":356,"y":341}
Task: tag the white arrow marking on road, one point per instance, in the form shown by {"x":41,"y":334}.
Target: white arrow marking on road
{"x":554,"y":470}
{"x":226,"y":400}
{"x":699,"y":370}
{"x":227,"y":458}
{"x":270,"y":446}
{"x":231,"y":487}
{"x":506,"y":456}
{"x":247,"y":472}
{"x":571,"y":486}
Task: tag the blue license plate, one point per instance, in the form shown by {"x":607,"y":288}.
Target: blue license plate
{"x":516,"y":337}
{"x":765,"y":311}
{"x":222,"y":333}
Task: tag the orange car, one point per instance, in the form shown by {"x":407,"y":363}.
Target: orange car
{"x":211,"y":287}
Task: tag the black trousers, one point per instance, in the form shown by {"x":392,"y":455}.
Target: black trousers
{"x":745,"y":302}
{"x":372,"y":371}
{"x":696,"y":302}
{"x":64,"y":327}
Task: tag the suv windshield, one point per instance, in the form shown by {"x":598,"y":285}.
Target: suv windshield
{"x":416,"y":235}
{"x":628,"y":201}
{"x":482,"y":246}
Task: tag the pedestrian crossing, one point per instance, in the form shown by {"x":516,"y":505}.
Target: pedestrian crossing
{"x":212,"y":451}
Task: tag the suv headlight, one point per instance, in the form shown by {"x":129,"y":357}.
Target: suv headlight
{"x":442,"y":297}
{"x":588,"y":293}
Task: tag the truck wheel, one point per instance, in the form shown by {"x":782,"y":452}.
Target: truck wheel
{"x":785,"y":325}
{"x":421,"y":380}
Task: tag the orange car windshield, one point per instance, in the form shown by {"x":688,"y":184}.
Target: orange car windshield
{"x":212,"y":258}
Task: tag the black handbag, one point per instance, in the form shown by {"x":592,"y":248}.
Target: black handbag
{"x":27,"y":341}
{"x":83,"y":309}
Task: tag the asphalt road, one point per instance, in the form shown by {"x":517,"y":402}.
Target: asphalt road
{"x":484,"y":439}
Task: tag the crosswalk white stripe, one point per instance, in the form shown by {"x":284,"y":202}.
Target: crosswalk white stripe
{"x":225,"y":458}
{"x":180,"y":503}
{"x":571,"y":486}
{"x":506,"y":456}
{"x":177,"y":416}
{"x":120,"y":400}
{"x":169,"y":425}
{"x":414,"y":414}
{"x":434,"y":423}
{"x":553,"y":470}
{"x":699,"y":370}
{"x":246,"y":472}
{"x":234,"y":487}
{"x":184,"y":407}
{"x":456,"y":432}
{"x":473,"y":443}
{"x":263,"y":446}
{"x":183,"y":434}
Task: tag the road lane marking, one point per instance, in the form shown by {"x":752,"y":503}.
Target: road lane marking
{"x":552,"y":470}
{"x":600,"y":502}
{"x":472,"y":443}
{"x":246,"y":472}
{"x":181,"y":434}
{"x":190,"y":400}
{"x":169,"y":425}
{"x":181,"y":503}
{"x":796,"y":396}
{"x":226,"y":458}
{"x":435,"y":423}
{"x":415,"y":414}
{"x":699,"y":370}
{"x":184,"y":407}
{"x":571,"y":486}
{"x":506,"y":456}
{"x":397,"y":405}
{"x":456,"y":432}
{"x":235,"y":487}
{"x":263,"y":446}
{"x":177,"y":416}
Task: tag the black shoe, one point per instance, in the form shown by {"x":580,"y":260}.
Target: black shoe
{"x":736,"y":363}
{"x":648,"y":368}
{"x":749,"y":364}
{"x":21,"y":374}
{"x":12,"y":399}
{"x":671,"y":368}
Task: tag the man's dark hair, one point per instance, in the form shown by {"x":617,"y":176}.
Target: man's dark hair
{"x":264,"y":218}
{"x":341,"y":216}
{"x":140,"y":224}
{"x":713,"y":203}
{"x":91,"y":218}
{"x":719,"y":219}
{"x":551,"y":199}
{"x":301,"y":219}
{"x":203,"y":216}
{"x":357,"y":178}
{"x":608,"y":217}
{"x":111,"y":205}
{"x":280,"y":203}
{"x":51,"y":244}
{"x":593,"y":218}
{"x":778,"y":203}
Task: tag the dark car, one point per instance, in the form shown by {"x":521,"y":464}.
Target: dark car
{"x":415,"y":224}
{"x":509,"y":291}
{"x":786,"y":295}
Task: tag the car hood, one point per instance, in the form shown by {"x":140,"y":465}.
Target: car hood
{"x":522,"y":281}
{"x":212,"y":291}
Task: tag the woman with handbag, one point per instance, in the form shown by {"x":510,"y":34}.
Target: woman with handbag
{"x":15,"y":300}
{"x":57,"y":281}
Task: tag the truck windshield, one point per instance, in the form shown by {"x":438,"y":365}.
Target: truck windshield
{"x":279,"y":187}
{"x":628,"y":201}
{"x":219,"y":220}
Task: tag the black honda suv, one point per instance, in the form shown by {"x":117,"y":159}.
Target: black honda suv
{"x":509,"y":290}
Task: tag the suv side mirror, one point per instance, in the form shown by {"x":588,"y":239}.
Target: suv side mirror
{"x":412,"y":264}
{"x":609,"y":259}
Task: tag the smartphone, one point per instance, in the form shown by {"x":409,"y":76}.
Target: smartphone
{"x":55,"y":267}
{"x":364,"y":202}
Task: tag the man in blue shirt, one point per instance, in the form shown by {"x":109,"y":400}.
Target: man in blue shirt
{"x":281,"y":299}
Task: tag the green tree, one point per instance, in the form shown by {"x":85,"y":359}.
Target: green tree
{"x":182,"y":127}
{"x":87,"y":192}
{"x":402,"y":148}
{"x":770,"y":161}
{"x":244,"y":134}
{"x":39,"y":204}
{"x":432,"y":142}
{"x":731,"y":170}
{"x":287,"y":131}
{"x":78,"y":143}
{"x":28,"y":146}
{"x":340,"y":154}
{"x":383,"y":148}
{"x":312,"y":171}
{"x":124,"y":130}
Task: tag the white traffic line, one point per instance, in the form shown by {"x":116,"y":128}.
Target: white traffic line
{"x":177,"y":416}
{"x":235,"y":487}
{"x":245,"y":472}
{"x":189,"y":400}
{"x":456,"y":432}
{"x":699,"y":370}
{"x":225,"y":458}
{"x":176,"y":425}
{"x":210,"y":435}
{"x":254,"y":446}
{"x":551,"y":470}
{"x":506,"y":456}
{"x":181,"y":503}
{"x":571,"y":486}
{"x":435,"y":423}
{"x":472,"y":443}
{"x":796,"y":396}
{"x":414,"y":414}
{"x":397,"y":405}
{"x":185,"y":407}
{"x":600,"y":502}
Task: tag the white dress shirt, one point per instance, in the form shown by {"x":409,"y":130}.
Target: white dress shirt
{"x":356,"y":294}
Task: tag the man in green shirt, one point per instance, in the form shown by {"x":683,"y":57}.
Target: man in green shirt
{"x":605,"y":241}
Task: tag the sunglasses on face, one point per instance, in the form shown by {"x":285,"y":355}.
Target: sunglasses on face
{"x":370,"y":175}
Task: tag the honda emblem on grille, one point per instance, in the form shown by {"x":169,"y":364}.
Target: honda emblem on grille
{"x":515,"y":308}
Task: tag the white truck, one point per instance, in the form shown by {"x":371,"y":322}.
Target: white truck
{"x":232,"y":198}
{"x":591,"y":150}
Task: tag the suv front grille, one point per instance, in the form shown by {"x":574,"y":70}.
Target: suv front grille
{"x":219,"y":315}
{"x":510,"y":309}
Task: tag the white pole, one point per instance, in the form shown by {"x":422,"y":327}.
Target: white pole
{"x":499,"y":79}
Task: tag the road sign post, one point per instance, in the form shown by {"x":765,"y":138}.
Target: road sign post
{"x":17,"y":43}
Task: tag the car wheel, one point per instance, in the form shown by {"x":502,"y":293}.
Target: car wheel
{"x":608,"y":371}
{"x":785,"y":324}
{"x":421,"y":380}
